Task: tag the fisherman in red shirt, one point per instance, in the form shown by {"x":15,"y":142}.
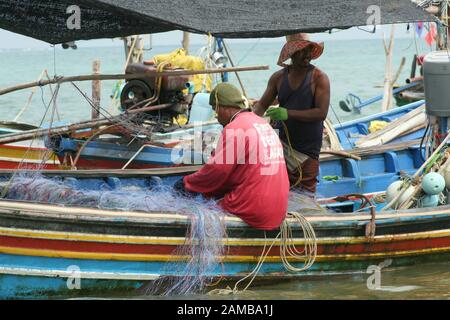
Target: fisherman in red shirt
{"x":248,"y":169}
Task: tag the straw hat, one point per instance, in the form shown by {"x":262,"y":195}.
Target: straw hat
{"x":298,"y":42}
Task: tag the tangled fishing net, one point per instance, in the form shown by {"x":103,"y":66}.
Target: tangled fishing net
{"x":204,"y":244}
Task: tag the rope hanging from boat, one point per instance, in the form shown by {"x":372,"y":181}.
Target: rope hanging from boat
{"x":288,"y":251}
{"x":291,"y":150}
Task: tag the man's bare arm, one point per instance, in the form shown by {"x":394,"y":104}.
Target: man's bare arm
{"x":268,"y":97}
{"x":322,"y":103}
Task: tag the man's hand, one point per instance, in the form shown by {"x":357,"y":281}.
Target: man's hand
{"x":277,"y":113}
{"x":180,"y":189}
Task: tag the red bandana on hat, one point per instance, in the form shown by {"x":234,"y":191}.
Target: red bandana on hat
{"x":296,"y":43}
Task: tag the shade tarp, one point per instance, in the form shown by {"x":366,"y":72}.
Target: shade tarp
{"x":47,"y":20}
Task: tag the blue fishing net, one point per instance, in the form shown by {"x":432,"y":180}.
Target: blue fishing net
{"x":204,"y":244}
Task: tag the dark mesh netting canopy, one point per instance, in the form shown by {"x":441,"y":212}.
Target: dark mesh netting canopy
{"x":47,"y":19}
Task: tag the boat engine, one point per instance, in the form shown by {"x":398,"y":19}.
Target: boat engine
{"x":143,"y":92}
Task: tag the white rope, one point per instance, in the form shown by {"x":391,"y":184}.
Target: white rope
{"x":288,"y":251}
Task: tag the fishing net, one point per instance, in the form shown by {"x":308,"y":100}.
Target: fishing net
{"x":197,"y":260}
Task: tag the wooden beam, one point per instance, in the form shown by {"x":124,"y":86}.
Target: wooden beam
{"x":96,"y":91}
{"x":186,"y":42}
{"x":362,"y":152}
{"x":33,"y":134}
{"x":101,"y":77}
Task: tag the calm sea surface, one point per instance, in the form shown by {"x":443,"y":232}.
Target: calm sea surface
{"x":355,"y":66}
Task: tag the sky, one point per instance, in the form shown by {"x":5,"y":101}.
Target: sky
{"x":12,"y":40}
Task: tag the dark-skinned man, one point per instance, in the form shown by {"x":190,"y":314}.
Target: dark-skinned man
{"x":303,"y":94}
{"x":247,"y":170}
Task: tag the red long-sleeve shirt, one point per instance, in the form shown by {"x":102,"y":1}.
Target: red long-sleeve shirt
{"x":248,"y":170}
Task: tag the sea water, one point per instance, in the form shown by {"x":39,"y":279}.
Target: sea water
{"x":355,"y":66}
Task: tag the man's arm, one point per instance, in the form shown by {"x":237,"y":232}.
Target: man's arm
{"x":321,"y":102}
{"x":212,"y":178}
{"x":268,"y":97}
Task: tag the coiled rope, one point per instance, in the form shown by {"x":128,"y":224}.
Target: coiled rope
{"x":288,"y":248}
{"x":288,"y":251}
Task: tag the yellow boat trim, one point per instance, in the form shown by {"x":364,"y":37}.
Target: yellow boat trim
{"x":24,"y":152}
{"x":231,"y":259}
{"x":145,"y":240}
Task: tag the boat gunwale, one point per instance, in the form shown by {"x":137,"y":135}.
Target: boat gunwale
{"x":37,"y":210}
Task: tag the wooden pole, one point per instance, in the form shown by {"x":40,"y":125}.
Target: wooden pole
{"x":129,"y":50}
{"x":128,"y":76}
{"x":96,"y":91}
{"x":341,"y":153}
{"x":186,"y":41}
{"x":125,"y":46}
{"x":37,"y":133}
{"x":139,"y":49}
{"x":388,"y":50}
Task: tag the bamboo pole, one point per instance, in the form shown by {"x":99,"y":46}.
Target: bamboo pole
{"x":96,"y":91}
{"x":185,"y":42}
{"x":342,"y":154}
{"x":364,"y":152}
{"x":413,"y":119}
{"x":139,"y":50}
{"x":388,"y":50}
{"x":32,"y":134}
{"x":101,"y":77}
{"x":129,"y":49}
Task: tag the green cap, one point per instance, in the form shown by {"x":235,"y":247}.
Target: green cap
{"x":225,"y":94}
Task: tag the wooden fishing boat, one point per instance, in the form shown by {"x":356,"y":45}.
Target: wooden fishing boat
{"x":43,"y":247}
